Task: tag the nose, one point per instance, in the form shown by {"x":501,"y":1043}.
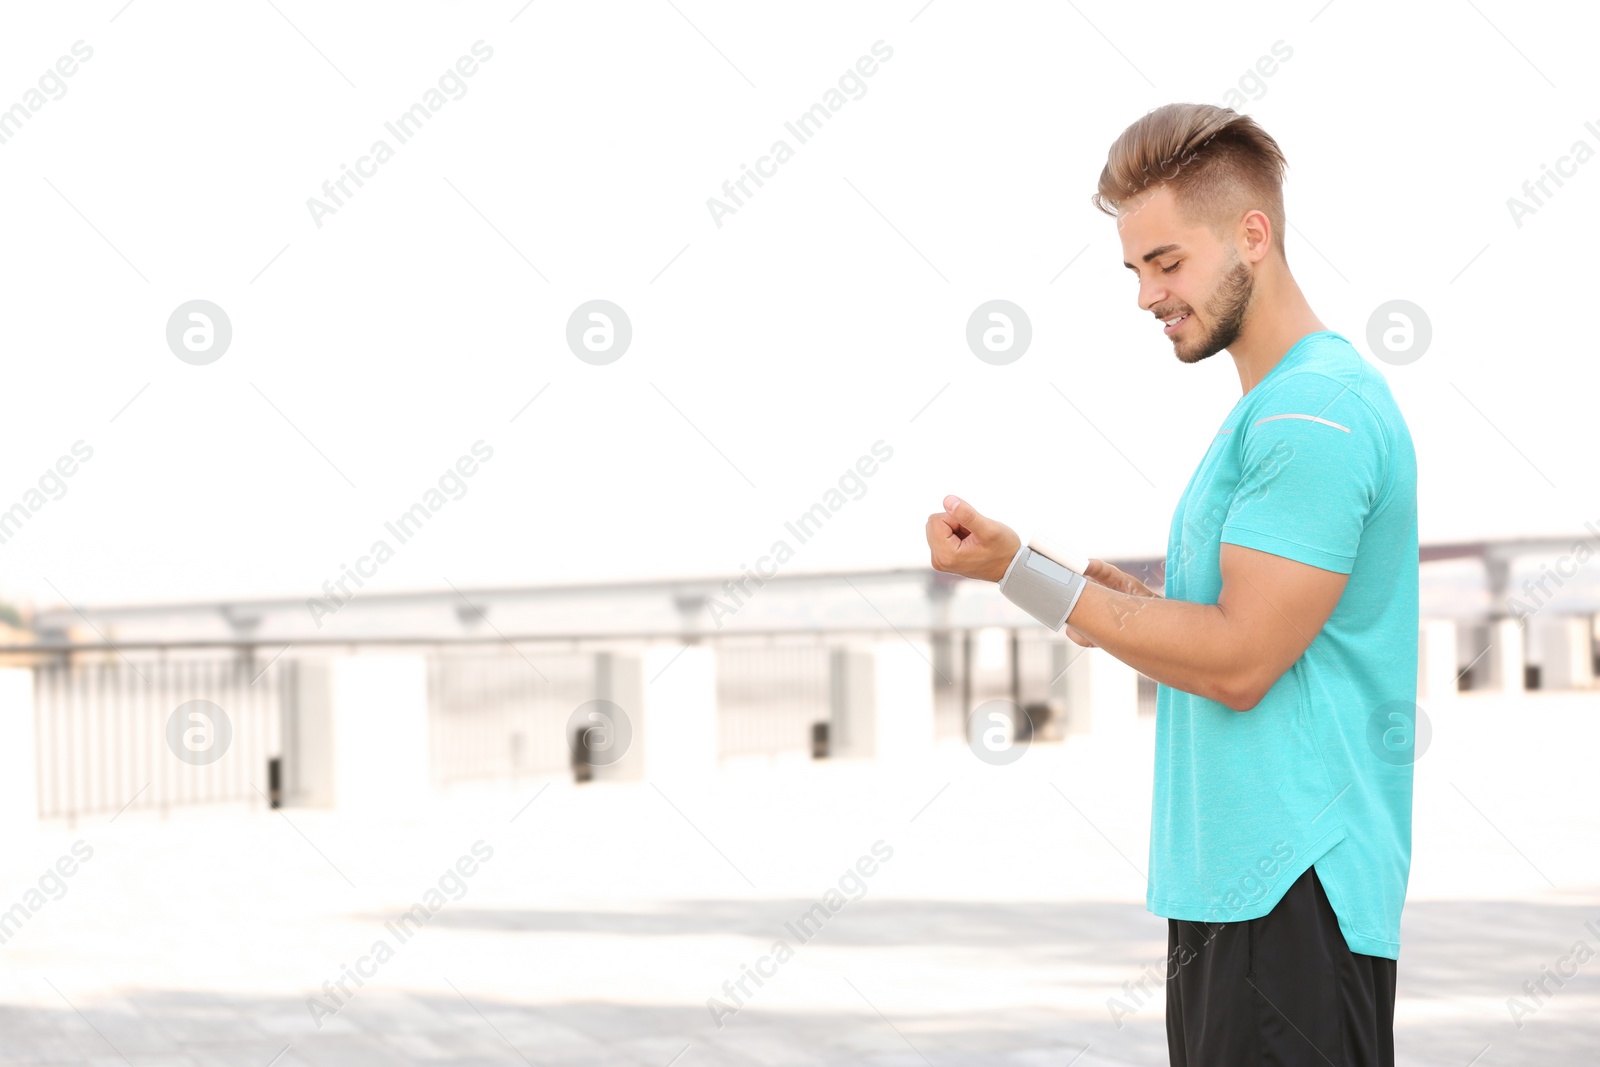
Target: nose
{"x":1151,"y":294}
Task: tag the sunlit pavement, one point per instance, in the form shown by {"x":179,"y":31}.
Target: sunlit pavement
{"x":1007,"y":914}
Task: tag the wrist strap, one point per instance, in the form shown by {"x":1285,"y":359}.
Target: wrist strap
{"x":1042,"y":587}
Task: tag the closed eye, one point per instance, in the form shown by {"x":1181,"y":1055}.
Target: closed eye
{"x":1169,"y":270}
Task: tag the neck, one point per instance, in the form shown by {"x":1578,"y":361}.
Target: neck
{"x":1279,"y":316}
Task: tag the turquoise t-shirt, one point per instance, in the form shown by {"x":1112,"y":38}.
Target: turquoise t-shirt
{"x":1315,"y":464}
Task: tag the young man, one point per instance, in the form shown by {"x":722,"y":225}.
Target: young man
{"x":1285,"y":643}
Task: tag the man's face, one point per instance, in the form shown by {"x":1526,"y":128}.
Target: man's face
{"x":1185,"y":270}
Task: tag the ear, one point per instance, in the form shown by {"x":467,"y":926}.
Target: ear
{"x":1256,"y":230}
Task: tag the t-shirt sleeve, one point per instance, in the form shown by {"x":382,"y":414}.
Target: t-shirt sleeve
{"x":1313,"y":464}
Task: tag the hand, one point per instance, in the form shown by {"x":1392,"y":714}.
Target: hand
{"x":969,"y":544}
{"x":1103,"y":573}
{"x":1116,"y":578}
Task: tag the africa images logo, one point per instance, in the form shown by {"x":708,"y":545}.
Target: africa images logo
{"x":199,"y":732}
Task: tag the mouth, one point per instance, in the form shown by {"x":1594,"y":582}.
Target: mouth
{"x":1176,"y":324}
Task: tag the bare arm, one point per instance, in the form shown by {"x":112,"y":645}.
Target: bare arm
{"x":1232,"y":651}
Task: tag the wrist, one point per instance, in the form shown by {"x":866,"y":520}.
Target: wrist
{"x":1009,"y":559}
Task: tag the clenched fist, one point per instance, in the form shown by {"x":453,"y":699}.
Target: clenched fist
{"x":969,"y":544}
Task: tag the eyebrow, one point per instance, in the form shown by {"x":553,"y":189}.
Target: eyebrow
{"x":1152,"y":254}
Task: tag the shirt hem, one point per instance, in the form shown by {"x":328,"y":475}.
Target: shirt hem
{"x":1364,"y":945}
{"x":1359,"y":943}
{"x":1221,"y":913}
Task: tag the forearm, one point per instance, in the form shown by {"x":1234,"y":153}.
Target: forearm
{"x":1188,"y":646}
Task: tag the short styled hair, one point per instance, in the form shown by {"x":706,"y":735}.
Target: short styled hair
{"x":1218,"y":162}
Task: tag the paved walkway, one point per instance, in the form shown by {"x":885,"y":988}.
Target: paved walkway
{"x":1003,"y":909}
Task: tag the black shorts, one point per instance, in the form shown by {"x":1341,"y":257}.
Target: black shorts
{"x":1284,"y":989}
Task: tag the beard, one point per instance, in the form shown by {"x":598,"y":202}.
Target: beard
{"x":1226,"y":311}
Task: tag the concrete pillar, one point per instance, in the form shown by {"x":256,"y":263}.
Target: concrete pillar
{"x":1436,"y":660}
{"x":946,"y":655}
{"x":944,"y":648}
{"x":306,"y":731}
{"x":991,"y":663}
{"x":1567,"y":657}
{"x":680,"y":712}
{"x":355,"y":735}
{"x":903,"y":695}
{"x":380,"y":742}
{"x":618,"y":749}
{"x":1497,"y":579}
{"x":668,"y":697}
{"x":1472,"y":653}
{"x":852,"y":702}
{"x":1101,"y":692}
{"x":880,"y":699}
{"x":1053,"y":724}
{"x":1064,"y":687}
{"x":19,"y":787}
{"x":1506,"y":656}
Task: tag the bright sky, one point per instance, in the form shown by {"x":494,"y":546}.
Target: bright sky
{"x":430,"y":310}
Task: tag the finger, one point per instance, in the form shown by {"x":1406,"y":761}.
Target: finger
{"x":1112,"y":577}
{"x":1116,"y":578}
{"x":943,"y":545}
{"x":963,"y":513}
{"x":1100,"y":571}
{"x":1078,"y":638}
{"x":947,"y":530}
{"x":948,"y":519}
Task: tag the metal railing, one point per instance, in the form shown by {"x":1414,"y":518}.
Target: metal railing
{"x":105,"y":743}
{"x":503,"y":714}
{"x":102,"y":730}
{"x":769,"y":695}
